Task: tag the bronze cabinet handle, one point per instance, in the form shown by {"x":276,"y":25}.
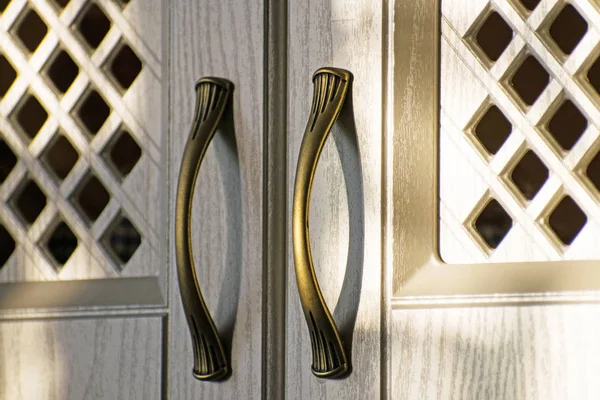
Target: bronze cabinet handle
{"x":210,"y":361}
{"x":329,"y":356}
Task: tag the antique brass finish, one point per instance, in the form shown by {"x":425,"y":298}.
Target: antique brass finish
{"x":329,"y":356}
{"x":210,"y":361}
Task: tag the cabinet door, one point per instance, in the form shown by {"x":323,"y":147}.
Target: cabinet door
{"x":97,"y":101}
{"x":494,"y":145}
{"x":222,"y":39}
{"x":345,"y":203}
{"x":83,"y":200}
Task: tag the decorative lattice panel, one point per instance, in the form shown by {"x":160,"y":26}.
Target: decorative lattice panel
{"x":81,"y":145}
{"x":519,"y":140}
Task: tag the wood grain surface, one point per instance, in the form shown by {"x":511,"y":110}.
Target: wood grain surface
{"x":222,"y":39}
{"x":540,"y":352}
{"x":412,"y":143}
{"x":443,"y":349}
{"x":105,"y":358}
{"x":344,"y":216}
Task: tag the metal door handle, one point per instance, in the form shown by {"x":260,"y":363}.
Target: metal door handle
{"x":210,"y":361}
{"x":329,"y":356}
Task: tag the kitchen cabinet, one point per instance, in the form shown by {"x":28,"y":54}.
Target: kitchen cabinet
{"x":452,"y":217}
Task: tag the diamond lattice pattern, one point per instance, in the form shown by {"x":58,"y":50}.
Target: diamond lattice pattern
{"x":79,"y":139}
{"x":519,"y":138}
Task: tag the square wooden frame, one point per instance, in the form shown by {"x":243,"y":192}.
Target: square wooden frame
{"x":418,"y":277}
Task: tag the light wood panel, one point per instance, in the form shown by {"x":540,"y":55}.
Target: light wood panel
{"x":411,"y":142}
{"x":520,"y":351}
{"x":345,"y":228}
{"x":413,"y":174}
{"x":223,"y":39}
{"x":541,"y":352}
{"x":109,"y":358}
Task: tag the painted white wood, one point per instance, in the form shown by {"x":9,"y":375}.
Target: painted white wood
{"x":205,"y":38}
{"x":517,"y":344}
{"x":345,"y":228}
{"x":540,"y":352}
{"x":84,"y":332}
{"x":104,"y":358}
{"x":223,"y":39}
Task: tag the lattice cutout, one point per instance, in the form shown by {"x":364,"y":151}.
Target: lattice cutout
{"x":520,"y":111}
{"x":93,"y":25}
{"x":30,"y":30}
{"x":8,"y":160}
{"x":123,"y":153}
{"x":567,"y":220}
{"x":124,"y":66}
{"x":529,"y":5}
{"x":593,"y":75}
{"x":122,"y":240}
{"x":30,"y":116}
{"x":494,"y":36}
{"x":92,"y":112}
{"x":529,"y":175}
{"x":593,"y":171}
{"x":61,"y":3}
{"x":7,"y":246}
{"x":75,"y":77}
{"x":493,"y":129}
{"x":568,"y":29}
{"x":60,"y":157}
{"x":61,"y":244}
{"x":91,"y":198}
{"x":7,"y":75}
{"x":529,"y":80}
{"x":493,"y":224}
{"x":567,"y":125}
{"x":29,"y":201}
{"x":62,"y":71}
